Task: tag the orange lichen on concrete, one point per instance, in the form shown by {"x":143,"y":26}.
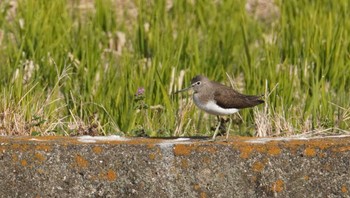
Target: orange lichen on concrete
{"x":196,"y":187}
{"x":183,"y":149}
{"x":147,"y":141}
{"x":152,"y":156}
{"x":277,"y":186}
{"x":206,"y":149}
{"x":19,"y":147}
{"x":341,"y":149}
{"x":24,"y":162}
{"x":40,"y":171}
{"x":81,"y":162}
{"x":322,"y":143}
{"x":260,"y":148}
{"x":310,"y":152}
{"x":312,"y":145}
{"x":344,"y":189}
{"x":206,"y":160}
{"x":306,"y":177}
{"x":14,"y":158}
{"x":104,"y":175}
{"x":156,"y":152}
{"x":273,"y":150}
{"x":111,"y":175}
{"x":294,"y":145}
{"x":321,"y":154}
{"x":3,"y":149}
{"x":245,"y":150}
{"x":258,"y":166}
{"x":184,"y":163}
{"x":39,"y":157}
{"x":97,"y":149}
{"x":186,"y":149}
{"x":49,"y":138}
{"x":43,"y":147}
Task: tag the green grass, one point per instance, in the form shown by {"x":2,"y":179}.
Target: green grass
{"x":65,"y":72}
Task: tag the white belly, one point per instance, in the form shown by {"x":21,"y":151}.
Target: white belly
{"x":212,"y":108}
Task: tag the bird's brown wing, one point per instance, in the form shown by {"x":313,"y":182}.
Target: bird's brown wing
{"x":229,"y":98}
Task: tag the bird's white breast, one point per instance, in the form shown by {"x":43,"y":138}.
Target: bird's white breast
{"x":212,"y":108}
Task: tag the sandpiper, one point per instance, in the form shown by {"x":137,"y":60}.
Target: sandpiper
{"x":217,"y":99}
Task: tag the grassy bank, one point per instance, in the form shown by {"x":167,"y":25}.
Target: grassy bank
{"x":109,"y":67}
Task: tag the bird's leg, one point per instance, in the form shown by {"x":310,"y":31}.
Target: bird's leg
{"x":217,"y":129}
{"x":228,"y":129}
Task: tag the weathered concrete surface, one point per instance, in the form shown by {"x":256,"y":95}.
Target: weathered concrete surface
{"x":117,"y":167}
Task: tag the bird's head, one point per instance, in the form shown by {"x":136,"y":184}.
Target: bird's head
{"x":197,"y":83}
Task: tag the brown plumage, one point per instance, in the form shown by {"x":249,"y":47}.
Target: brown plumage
{"x":225,"y":96}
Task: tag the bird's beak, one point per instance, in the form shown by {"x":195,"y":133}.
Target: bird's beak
{"x":182,"y":90}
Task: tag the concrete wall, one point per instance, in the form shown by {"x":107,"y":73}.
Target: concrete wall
{"x":141,"y":167}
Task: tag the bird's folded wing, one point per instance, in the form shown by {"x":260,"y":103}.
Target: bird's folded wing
{"x":229,"y":98}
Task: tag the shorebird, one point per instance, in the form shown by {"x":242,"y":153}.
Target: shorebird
{"x":218,"y":99}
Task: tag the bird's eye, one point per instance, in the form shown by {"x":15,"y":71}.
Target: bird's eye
{"x":198,"y":83}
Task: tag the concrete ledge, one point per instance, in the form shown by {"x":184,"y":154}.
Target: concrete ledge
{"x":141,"y":167}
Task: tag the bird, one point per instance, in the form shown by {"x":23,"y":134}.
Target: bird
{"x":218,"y":99}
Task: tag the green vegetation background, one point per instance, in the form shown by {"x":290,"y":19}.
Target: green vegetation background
{"x":109,"y":67}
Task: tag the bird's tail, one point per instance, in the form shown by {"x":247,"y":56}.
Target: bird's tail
{"x":255,"y":100}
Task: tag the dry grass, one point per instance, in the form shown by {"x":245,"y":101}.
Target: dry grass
{"x":74,"y":68}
